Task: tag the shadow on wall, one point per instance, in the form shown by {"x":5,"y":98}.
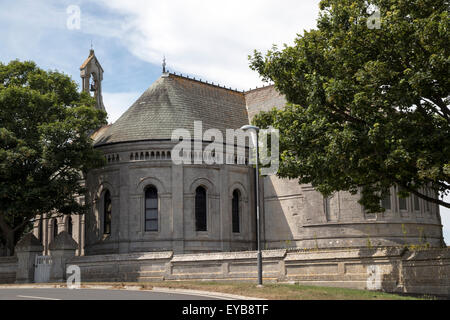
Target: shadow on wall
{"x":402,"y":270}
{"x":104,"y":204}
{"x":277,"y":230}
{"x":383,"y":268}
{"x":426,"y":272}
{"x":2,"y":247}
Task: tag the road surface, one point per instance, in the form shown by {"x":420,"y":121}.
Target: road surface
{"x":95,"y":294}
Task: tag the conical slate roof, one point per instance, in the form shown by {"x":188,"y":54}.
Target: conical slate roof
{"x":175,"y":102}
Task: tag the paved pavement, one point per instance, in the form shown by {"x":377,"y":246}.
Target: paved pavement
{"x":95,"y":294}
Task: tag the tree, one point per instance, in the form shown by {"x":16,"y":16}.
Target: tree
{"x":368,"y":107}
{"x":45,"y":145}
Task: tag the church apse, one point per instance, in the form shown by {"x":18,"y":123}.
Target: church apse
{"x":139,"y":153}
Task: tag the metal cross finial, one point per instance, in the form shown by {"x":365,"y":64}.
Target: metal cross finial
{"x":164,"y":64}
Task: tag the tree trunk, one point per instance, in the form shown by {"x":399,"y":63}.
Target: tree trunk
{"x":10,"y":244}
{"x":8,"y":235}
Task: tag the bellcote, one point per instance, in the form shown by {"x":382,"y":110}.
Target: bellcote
{"x":91,"y":73}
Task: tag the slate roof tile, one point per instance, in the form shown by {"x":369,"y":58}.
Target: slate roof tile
{"x":174,"y":102}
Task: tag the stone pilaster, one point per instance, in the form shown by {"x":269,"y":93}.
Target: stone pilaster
{"x":124,"y":194}
{"x":61,"y":225}
{"x":45,"y":233}
{"x":82,"y":232}
{"x":225,"y":216}
{"x":177,"y":208}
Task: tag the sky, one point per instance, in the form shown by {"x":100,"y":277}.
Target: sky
{"x":208,"y":39}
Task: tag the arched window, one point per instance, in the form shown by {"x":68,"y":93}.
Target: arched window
{"x":326,"y":208}
{"x":329,"y":208}
{"x":55,"y":228}
{"x":386,"y":201}
{"x":416,"y":202}
{"x":69,"y":225}
{"x":402,"y":202}
{"x":151,"y":209}
{"x":200,"y":209}
{"x":107,"y":213}
{"x":235,"y":211}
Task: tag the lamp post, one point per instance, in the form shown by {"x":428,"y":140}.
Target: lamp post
{"x":258,"y":221}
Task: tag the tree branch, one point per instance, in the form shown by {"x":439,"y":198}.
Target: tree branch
{"x":440,"y":110}
{"x":346,"y":115}
{"x":21,"y":225}
{"x":425,"y":197}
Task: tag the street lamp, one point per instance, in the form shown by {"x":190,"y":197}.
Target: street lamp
{"x":258,"y":221}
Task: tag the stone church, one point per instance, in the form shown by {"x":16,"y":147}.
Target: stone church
{"x":142,"y":202}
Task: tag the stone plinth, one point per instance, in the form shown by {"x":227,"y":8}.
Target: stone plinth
{"x":62,"y":248}
{"x":27,"y":249}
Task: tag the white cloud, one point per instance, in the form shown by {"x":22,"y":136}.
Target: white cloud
{"x":117,"y":103}
{"x":211,"y":38}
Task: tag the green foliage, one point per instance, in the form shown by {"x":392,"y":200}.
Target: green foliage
{"x":316,"y":242}
{"x":45,"y":145}
{"x":418,"y":247}
{"x":422,"y":236}
{"x":288,"y":243}
{"x":368,"y":108}
{"x":369,"y":243}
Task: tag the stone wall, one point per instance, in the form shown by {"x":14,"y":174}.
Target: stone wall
{"x":298,"y":216}
{"x":8,"y":267}
{"x":391,"y":270}
{"x":123,"y":267}
{"x":426,"y":272}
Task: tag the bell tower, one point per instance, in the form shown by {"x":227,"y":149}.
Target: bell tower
{"x":92,"y":75}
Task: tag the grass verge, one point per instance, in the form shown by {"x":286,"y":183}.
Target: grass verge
{"x":269,"y":291}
